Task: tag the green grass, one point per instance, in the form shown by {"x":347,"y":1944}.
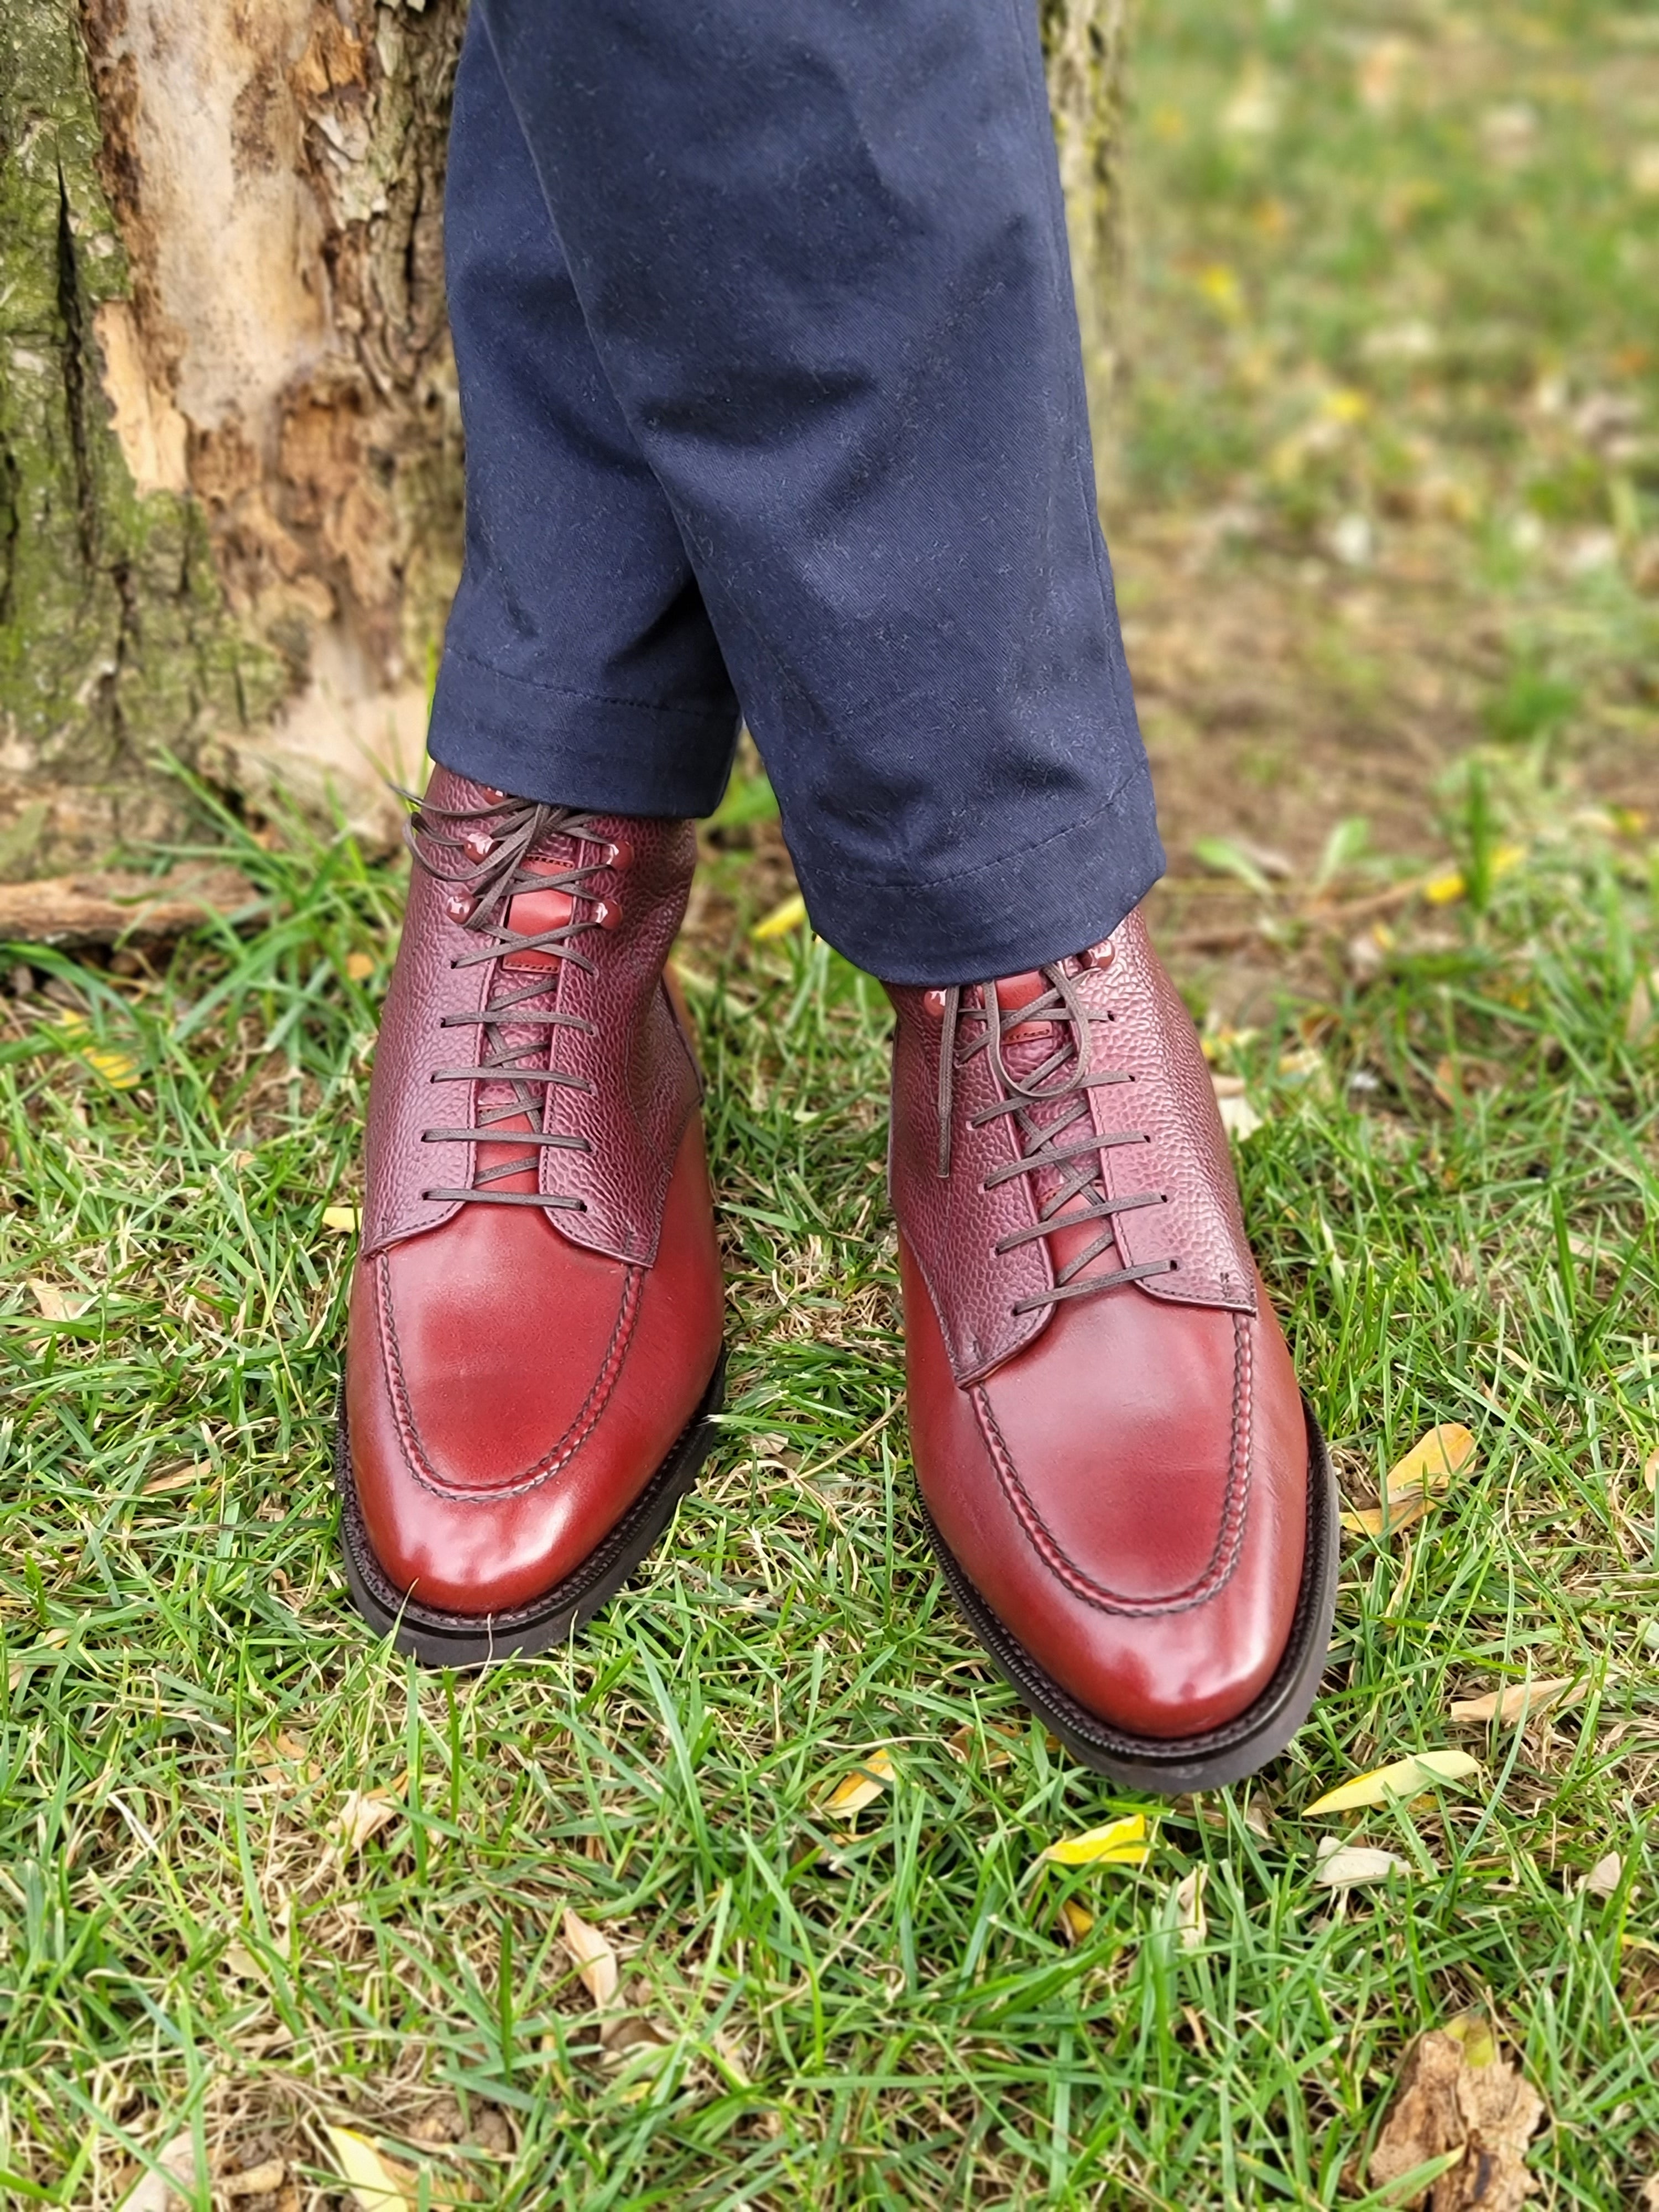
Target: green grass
{"x":1453,"y":1193}
{"x":891,"y":2016}
{"x":1398,"y":319}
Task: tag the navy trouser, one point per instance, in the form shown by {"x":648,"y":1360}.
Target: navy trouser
{"x":773,"y":407}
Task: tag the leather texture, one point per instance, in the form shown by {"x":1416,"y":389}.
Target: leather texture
{"x":516,"y":1375}
{"x":1122,"y":1476}
{"x":642,"y":1080}
{"x":1139,"y":1028}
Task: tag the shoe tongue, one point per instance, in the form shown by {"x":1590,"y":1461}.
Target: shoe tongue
{"x":1027,"y":1045}
{"x":533,"y":913}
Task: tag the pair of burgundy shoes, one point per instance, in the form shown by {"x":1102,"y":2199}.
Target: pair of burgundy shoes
{"x":1124,"y":1487}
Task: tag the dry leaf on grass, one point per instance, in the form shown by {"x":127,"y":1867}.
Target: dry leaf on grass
{"x":861,"y":1787}
{"x":55,"y":1304}
{"x":1520,"y":1700}
{"x":262,"y":2180}
{"x":360,"y":966}
{"x":1346,"y":1866}
{"x":1416,"y":1481}
{"x":1238,"y":1117}
{"x":341,"y":1220}
{"x":363,"y":1813}
{"x":1649,"y":2196}
{"x":998,"y":1743}
{"x":1456,"y":2093}
{"x":156,"y":2191}
{"x":596,"y":1961}
{"x":1120,"y":1843}
{"x":1076,"y":1920}
{"x":1192,"y":1923}
{"x":181,"y":1477}
{"x":1605,"y":1876}
{"x":377,"y":2184}
{"x":1402,"y":1777}
{"x":53,"y":1640}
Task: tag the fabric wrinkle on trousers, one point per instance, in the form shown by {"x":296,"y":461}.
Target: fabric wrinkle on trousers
{"x":774,"y":406}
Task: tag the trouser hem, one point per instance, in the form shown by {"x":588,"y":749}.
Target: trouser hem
{"x":575,"y":749}
{"x":1043,"y":902}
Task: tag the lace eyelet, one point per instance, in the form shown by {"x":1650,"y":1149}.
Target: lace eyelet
{"x":619,"y":858}
{"x":460,"y":907}
{"x":477,"y":844}
{"x":607,"y":913}
{"x":932,"y":1002}
{"x":1098,"y":956}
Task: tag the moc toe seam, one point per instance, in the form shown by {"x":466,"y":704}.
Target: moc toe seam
{"x":553,"y":1461}
{"x":1224,"y":1561}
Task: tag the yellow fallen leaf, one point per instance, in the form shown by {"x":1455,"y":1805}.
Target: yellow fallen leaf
{"x":1432,"y":1461}
{"x":1076,"y":1920}
{"x":596,"y":1962}
{"x":1445,"y":889}
{"x":1120,"y":1843}
{"x":1370,"y":1521}
{"x":116,"y":1067}
{"x":1220,"y":286}
{"x":114,"y":1064}
{"x":861,"y":1787}
{"x":376,"y":2184}
{"x":364,"y":1814}
{"x":359,"y":966}
{"x":1192,"y":1922}
{"x":342,"y":1219}
{"x":789,"y":915}
{"x":1519,"y":1699}
{"x":1415,"y":1481}
{"x":1403,"y":1778}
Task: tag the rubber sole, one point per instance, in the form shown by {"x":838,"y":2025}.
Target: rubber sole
{"x":467,"y":1640}
{"x":1171,"y":1767}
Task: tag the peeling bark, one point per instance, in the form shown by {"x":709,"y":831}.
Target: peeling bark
{"x":1085,"y":43}
{"x":230,"y":500}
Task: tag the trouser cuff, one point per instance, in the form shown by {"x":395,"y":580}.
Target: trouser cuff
{"x":1042,"y":903}
{"x":567,"y":749}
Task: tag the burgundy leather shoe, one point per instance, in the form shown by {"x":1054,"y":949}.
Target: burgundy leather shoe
{"x":534,"y":1343}
{"x":1129,"y":1498}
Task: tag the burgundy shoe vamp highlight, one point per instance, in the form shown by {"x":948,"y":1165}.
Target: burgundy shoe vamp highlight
{"x":1126,"y":1433}
{"x":504,"y":1543}
{"x":502,"y":1342}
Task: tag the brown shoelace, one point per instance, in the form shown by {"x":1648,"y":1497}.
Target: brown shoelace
{"x":1067,"y":1143}
{"x":493,"y":847}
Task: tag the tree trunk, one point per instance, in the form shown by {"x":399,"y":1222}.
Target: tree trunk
{"x":229,"y":447}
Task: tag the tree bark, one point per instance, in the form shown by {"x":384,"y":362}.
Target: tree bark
{"x":230,"y":469}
